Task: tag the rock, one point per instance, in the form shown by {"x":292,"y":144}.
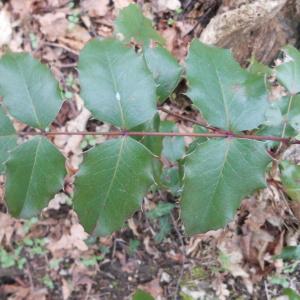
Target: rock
{"x":253,"y":27}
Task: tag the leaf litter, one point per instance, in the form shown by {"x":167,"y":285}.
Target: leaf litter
{"x":61,"y":260}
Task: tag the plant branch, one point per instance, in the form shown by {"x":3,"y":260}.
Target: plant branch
{"x":164,"y":134}
{"x":203,"y":124}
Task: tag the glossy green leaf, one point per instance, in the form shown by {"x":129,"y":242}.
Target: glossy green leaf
{"x":293,"y":115}
{"x":228,"y":96}
{"x":258,"y":68}
{"x":116,"y":84}
{"x":141,"y":295}
{"x":171,"y":179}
{"x":218,"y":174}
{"x":165,"y":69}
{"x":279,"y":118}
{"x":288,"y":73}
{"x":173,"y":146}
{"x":290,"y":253}
{"x":131,"y":23}
{"x":153,"y":143}
{"x":290,"y":177}
{"x":8,"y":138}
{"x":193,"y":145}
{"x":291,"y":294}
{"x":111,"y":183}
{"x":31,"y":94}
{"x":35,"y":172}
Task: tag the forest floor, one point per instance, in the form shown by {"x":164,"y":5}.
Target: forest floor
{"x":53,"y":258}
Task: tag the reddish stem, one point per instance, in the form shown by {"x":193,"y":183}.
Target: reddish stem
{"x":183,"y":134}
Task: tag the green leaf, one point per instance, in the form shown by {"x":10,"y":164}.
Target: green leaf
{"x":279,"y":117}
{"x":131,"y":23}
{"x":290,"y":177}
{"x":35,"y":172}
{"x":165,"y":69}
{"x":228,"y":96}
{"x":290,"y":253}
{"x":111,"y":183}
{"x":292,"y":294}
{"x":162,"y":209}
{"x":8,"y":138}
{"x":141,"y":295}
{"x":116,"y":84}
{"x":171,"y":179}
{"x":199,"y":140}
{"x":218,"y":174}
{"x":288,"y":73}
{"x":31,"y":94}
{"x":153,"y":143}
{"x":173,"y":146}
{"x":293,"y":115}
{"x":258,"y":68}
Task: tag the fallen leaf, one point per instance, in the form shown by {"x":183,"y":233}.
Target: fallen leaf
{"x":70,"y":241}
{"x":5,"y":27}
{"x":53,"y":25}
{"x":95,"y":8}
{"x":119,"y":4}
{"x":168,"y":5}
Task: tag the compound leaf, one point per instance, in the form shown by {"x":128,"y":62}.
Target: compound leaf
{"x":8,"y":138}
{"x":290,"y":176}
{"x":111,"y":183}
{"x":131,"y":23}
{"x":288,"y":73}
{"x":35,"y":171}
{"x":165,"y":69}
{"x":228,"y":96}
{"x":141,"y":295}
{"x":28,"y":87}
{"x":218,"y":174}
{"x":116,"y":84}
{"x":173,"y":146}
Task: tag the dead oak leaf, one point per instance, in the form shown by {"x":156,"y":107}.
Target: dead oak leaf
{"x":74,"y":240}
{"x":95,"y":8}
{"x":53,"y":25}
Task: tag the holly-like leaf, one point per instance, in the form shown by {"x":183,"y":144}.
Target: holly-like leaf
{"x":173,"y":146}
{"x":288,"y":73}
{"x":218,"y":174}
{"x":293,"y":114}
{"x":116,"y":84}
{"x":131,"y":23}
{"x":290,"y":177}
{"x":199,"y":140}
{"x":165,"y":69}
{"x":228,"y":96}
{"x":8,"y":138}
{"x":258,"y":68}
{"x":281,"y":119}
{"x":141,"y":295}
{"x":111,"y":183}
{"x":153,"y":143}
{"x":31,"y":94}
{"x":35,"y":172}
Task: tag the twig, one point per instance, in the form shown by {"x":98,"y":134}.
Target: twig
{"x":203,"y":124}
{"x":66,"y":48}
{"x":224,"y":134}
{"x":183,"y":253}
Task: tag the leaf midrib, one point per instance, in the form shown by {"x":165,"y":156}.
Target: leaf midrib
{"x":210,"y":202}
{"x":114,"y":174}
{"x":226,"y":111}
{"x":31,"y":175}
{"x":27,"y":91}
{"x":116,"y":90}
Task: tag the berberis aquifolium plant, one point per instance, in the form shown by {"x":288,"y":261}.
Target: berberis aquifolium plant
{"x":124,"y":87}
